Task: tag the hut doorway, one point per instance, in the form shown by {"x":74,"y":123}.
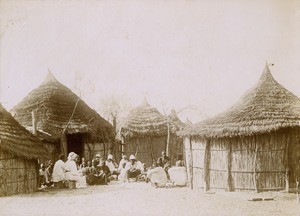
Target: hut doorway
{"x":75,"y":144}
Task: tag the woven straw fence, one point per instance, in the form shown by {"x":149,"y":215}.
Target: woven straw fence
{"x":260,"y":162}
{"x":17,"y":175}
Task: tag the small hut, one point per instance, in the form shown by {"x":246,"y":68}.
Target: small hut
{"x":64,"y":120}
{"x":146,"y":133}
{"x":251,"y":146}
{"x":19,"y":151}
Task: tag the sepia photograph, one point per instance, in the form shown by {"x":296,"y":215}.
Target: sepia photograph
{"x":150,"y":107}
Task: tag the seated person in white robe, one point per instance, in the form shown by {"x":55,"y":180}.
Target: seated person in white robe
{"x":59,"y":170}
{"x":157,"y":176}
{"x":72,"y":173}
{"x":178,"y":174}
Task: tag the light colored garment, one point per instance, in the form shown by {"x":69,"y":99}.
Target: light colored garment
{"x":71,"y":171}
{"x":111,"y":166}
{"x":58,"y":171}
{"x":122,"y":176}
{"x":121,"y":164}
{"x":136,"y":165}
{"x":81,"y":180}
{"x":158,"y":176}
{"x":178,"y":175}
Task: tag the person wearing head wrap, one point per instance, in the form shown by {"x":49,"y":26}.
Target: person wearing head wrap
{"x":121,"y":168}
{"x":72,"y":173}
{"x":112,"y":166}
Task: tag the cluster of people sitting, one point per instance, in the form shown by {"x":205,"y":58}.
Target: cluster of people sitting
{"x":78,"y":174}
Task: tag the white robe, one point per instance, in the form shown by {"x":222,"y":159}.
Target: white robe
{"x":58,"y":171}
{"x":178,"y":175}
{"x":71,"y":171}
{"x":73,"y":174}
{"x":158,"y":176}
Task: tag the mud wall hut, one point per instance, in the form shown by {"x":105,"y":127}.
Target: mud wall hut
{"x":64,"y":120}
{"x":19,"y":153}
{"x":146,"y":133}
{"x":252,"y":146}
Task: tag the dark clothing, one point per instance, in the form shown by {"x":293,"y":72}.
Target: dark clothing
{"x":165,"y":163}
{"x":98,"y":175}
{"x":133,"y":173}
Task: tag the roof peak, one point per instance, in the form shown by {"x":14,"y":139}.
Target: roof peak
{"x":266,"y":74}
{"x":50,"y":77}
{"x":145,"y":102}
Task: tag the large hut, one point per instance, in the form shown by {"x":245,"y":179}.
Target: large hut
{"x":252,"y":146}
{"x":146,"y":133}
{"x":19,"y":154}
{"x":64,"y":120}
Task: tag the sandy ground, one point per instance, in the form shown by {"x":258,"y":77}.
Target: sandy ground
{"x":141,"y":199}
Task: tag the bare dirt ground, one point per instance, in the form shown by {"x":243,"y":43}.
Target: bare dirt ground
{"x":141,"y":199}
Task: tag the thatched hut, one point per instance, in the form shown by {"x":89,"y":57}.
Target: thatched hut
{"x":64,"y":120}
{"x":251,"y":146}
{"x":146,"y":133}
{"x":19,"y":151}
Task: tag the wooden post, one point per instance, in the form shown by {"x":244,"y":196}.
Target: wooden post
{"x":26,"y":178}
{"x":254,"y":168}
{"x":151,"y":146}
{"x":287,"y":169}
{"x":229,"y":167}
{"x":168,"y":139}
{"x":33,"y":122}
{"x":64,"y":145}
{"x":191,"y":164}
{"x":207,"y":165}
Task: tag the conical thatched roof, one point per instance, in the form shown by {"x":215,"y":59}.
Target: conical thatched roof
{"x":266,"y":107}
{"x":188,"y":122}
{"x":144,"y":121}
{"x":175,"y":123}
{"x":54,"y":104}
{"x":17,"y":140}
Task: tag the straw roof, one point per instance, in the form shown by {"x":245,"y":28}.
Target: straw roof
{"x":144,"y":120}
{"x":266,"y":107}
{"x":188,"y":122}
{"x":54,"y":104}
{"x":16,"y":140}
{"x":175,"y":123}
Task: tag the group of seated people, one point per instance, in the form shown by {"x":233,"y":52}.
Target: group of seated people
{"x":100,"y":171}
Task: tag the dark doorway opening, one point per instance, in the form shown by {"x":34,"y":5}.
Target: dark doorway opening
{"x":75,"y":144}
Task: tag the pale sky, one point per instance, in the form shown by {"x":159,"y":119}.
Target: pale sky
{"x":176,"y":53}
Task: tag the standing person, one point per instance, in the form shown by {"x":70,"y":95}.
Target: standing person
{"x":122,"y":161}
{"x":91,"y":173}
{"x":49,"y":171}
{"x":112,"y":166}
{"x":83,"y":163}
{"x":43,"y":177}
{"x":132,"y":168}
{"x":58,"y":175}
{"x":165,"y":160}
